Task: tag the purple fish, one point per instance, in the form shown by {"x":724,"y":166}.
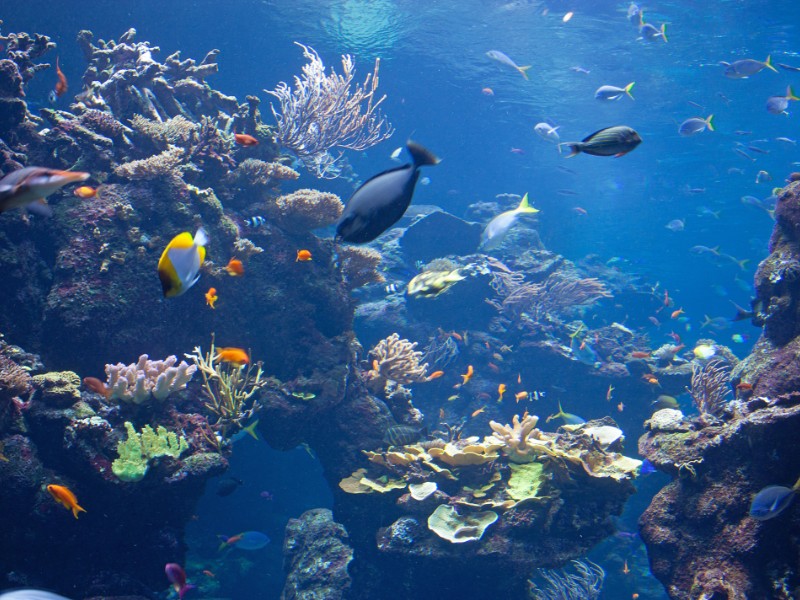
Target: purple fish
{"x":177,"y":577}
{"x":647,"y":467}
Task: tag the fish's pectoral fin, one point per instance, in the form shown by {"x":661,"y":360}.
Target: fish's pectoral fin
{"x":40,"y":207}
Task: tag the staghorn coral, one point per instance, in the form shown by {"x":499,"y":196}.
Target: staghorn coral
{"x":395,"y":360}
{"x":360,"y":266}
{"x":521,"y":440}
{"x":710,"y":389}
{"x":323,"y":112}
{"x":165,"y":164}
{"x":306,"y":209}
{"x":137,"y":382}
{"x":22,"y":49}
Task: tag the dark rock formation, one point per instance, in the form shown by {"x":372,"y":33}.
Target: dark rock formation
{"x":316,"y":556}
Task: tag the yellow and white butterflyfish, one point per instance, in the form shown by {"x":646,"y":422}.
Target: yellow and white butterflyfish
{"x":179,"y":265}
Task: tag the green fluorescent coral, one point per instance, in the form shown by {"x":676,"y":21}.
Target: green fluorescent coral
{"x":525,"y":480}
{"x":136,"y":451}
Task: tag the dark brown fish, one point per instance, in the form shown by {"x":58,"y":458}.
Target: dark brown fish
{"x":611,"y":141}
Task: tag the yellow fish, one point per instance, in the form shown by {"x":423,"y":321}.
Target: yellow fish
{"x":179,"y":265}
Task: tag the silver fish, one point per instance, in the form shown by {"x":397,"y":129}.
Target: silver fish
{"x":503,"y":59}
{"x":499,"y":226}
{"x":31,"y":185}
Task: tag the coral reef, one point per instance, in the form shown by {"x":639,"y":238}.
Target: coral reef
{"x":360,"y":266}
{"x":140,"y":448}
{"x":511,"y":517}
{"x":316,"y":556}
{"x":396,"y":360}
{"x":305,"y":209}
{"x":138,"y":382}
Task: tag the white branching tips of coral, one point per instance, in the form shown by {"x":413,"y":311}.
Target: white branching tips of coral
{"x":137,"y":382}
{"x":398,"y":361}
{"x":324,"y":111}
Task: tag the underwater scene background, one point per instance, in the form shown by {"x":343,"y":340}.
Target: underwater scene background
{"x":589,"y":393}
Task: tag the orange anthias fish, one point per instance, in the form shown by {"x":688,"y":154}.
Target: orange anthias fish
{"x":244,"y":139}
{"x":61,"y":84}
{"x":501,"y":389}
{"x":651,"y":379}
{"x":677,"y":313}
{"x":620,"y":407}
{"x":209,"y":574}
{"x":479,"y":411}
{"x":85,"y":192}
{"x":639,"y":354}
{"x":435,"y":375}
{"x":66,"y":498}
{"x":235,"y":268}
{"x":468,"y":375}
{"x":211,"y":297}
{"x":520,"y":396}
{"x":608,"y":393}
{"x":303,"y":256}
{"x":97,"y":386}
{"x":625,"y":569}
{"x":235,"y":356}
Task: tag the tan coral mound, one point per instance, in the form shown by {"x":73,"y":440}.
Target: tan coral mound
{"x":306,"y":209}
{"x":360,"y":266}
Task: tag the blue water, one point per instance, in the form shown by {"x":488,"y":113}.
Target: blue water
{"x":433,"y":68}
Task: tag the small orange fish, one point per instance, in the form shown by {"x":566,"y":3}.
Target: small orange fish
{"x":634,"y":596}
{"x":235,"y":268}
{"x":744,"y":387}
{"x":235,"y":356}
{"x":303,"y":256}
{"x":209,"y":574}
{"x":211,"y":297}
{"x":640,"y":354}
{"x":456,"y":336}
{"x":667,"y":299}
{"x":625,"y":569}
{"x":244,"y":139}
{"x":435,"y":375}
{"x":501,"y":389}
{"x":468,"y":375}
{"x":520,"y":396}
{"x":498,"y":357}
{"x":582,"y":347}
{"x":61,"y":84}
{"x":97,"y":386}
{"x":487,"y":91}
{"x":479,"y":411}
{"x":64,"y":496}
{"x":519,"y":378}
{"x":677,"y":313}
{"x":441,"y":414}
{"x":620,"y":407}
{"x":375,"y":365}
{"x":493,"y":367}
{"x":608,"y":393}
{"x":651,"y":379}
{"x":85,"y":192}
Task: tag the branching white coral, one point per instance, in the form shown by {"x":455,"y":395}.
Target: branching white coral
{"x":137,"y":382}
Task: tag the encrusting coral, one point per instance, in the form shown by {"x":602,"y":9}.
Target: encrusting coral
{"x":305,"y":209}
{"x":139,"y":448}
{"x":360,"y":266}
{"x":137,"y":382}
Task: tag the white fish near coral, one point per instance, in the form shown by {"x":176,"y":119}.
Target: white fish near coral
{"x":498,"y":228}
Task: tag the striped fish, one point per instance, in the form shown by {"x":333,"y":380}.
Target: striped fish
{"x":611,"y":141}
{"x":401,"y":435}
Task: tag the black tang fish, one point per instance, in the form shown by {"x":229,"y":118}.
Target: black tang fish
{"x":383,"y":199}
{"x":611,"y":141}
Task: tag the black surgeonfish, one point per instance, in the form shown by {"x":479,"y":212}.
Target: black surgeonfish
{"x":381,"y":200}
{"x":611,"y":141}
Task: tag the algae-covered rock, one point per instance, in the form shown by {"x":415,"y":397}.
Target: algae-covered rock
{"x":457,"y":529}
{"x":58,"y":388}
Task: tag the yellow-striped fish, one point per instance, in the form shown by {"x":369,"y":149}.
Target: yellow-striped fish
{"x":179,"y":265}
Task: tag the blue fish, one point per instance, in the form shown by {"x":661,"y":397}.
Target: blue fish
{"x":772,"y":501}
{"x":248,"y":540}
{"x":647,"y":468}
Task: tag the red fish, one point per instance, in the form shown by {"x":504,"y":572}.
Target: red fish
{"x":61,"y":84}
{"x":235,"y":268}
{"x":97,"y":386}
{"x":244,"y":139}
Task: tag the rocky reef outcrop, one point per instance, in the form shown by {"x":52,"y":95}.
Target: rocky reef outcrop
{"x":701,"y":539}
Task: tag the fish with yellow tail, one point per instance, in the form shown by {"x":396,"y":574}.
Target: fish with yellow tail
{"x":612,"y":141}
{"x":64,"y":496}
{"x":30,"y":186}
{"x":179,"y":265}
{"x":498,"y":227}
{"x":568,"y":418}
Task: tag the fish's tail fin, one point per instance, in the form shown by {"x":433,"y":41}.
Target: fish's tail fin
{"x":201,"y":237}
{"x":574,"y":148}
{"x":421,"y":155}
{"x":741,"y":312}
{"x":524,"y":71}
{"x":251,"y":430}
{"x":664,"y":32}
{"x":796,"y":486}
{"x":225,"y":539}
{"x":790,"y":94}
{"x":77,"y":509}
{"x":525,"y":207}
{"x":742,"y":263}
{"x":709,"y":124}
{"x":768,"y":64}
{"x":628,"y":89}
